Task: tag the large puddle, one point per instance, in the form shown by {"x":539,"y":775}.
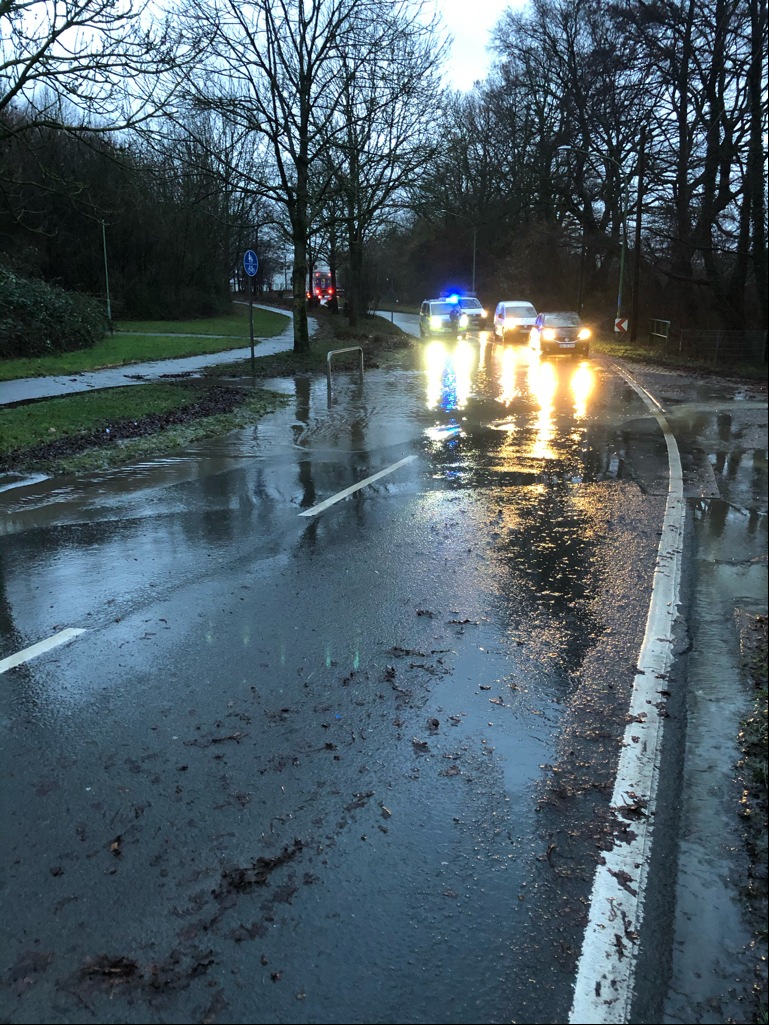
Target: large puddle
{"x":712,"y":960}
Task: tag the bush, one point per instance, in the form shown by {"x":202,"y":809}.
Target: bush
{"x":37,"y":319}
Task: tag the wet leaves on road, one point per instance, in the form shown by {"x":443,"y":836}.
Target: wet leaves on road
{"x":245,"y":879}
{"x":111,"y":969}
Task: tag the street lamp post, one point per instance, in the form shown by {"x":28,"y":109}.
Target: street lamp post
{"x":624,"y":196}
{"x":106,"y":271}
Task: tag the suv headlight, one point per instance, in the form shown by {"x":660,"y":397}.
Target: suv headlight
{"x":436,"y":322}
{"x":584,"y":333}
{"x":548,"y":334}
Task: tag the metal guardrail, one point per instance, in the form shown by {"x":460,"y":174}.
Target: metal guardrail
{"x":336,"y":352}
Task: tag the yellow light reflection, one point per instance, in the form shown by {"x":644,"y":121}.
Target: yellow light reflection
{"x":508,"y":387}
{"x":512,"y":366}
{"x":435,"y":359}
{"x":582,"y":384}
{"x":464,"y":364}
{"x":543,"y":382}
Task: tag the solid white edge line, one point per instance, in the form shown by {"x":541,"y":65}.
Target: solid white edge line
{"x":63,"y":637}
{"x":355,"y":487}
{"x":603,"y":990}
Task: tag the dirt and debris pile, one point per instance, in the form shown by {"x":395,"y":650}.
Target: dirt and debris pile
{"x":205,"y":400}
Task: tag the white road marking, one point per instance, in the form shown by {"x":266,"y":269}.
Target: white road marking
{"x":355,"y":487}
{"x":606,"y":971}
{"x":63,"y":637}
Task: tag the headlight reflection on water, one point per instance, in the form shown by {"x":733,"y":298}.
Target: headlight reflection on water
{"x":543,"y":382}
{"x":582,"y":384}
{"x":543,"y":399}
{"x":449,"y":374}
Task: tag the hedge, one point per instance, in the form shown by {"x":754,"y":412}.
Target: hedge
{"x":38,"y":319}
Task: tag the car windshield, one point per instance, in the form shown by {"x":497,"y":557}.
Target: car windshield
{"x":562,"y":320}
{"x":469,"y":303}
{"x":520,"y":311}
{"x":436,"y":309}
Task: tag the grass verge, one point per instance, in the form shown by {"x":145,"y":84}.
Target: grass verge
{"x":94,"y":430}
{"x":658,"y":356}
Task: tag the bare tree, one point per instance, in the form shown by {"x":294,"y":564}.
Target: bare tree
{"x":281,"y":69}
{"x":702,"y":59}
{"x":96,"y":65}
{"x":387,"y":132}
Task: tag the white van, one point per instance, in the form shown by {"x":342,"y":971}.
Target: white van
{"x":513,"y":320}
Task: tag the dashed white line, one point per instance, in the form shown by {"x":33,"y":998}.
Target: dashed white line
{"x":63,"y":637}
{"x":355,"y":487}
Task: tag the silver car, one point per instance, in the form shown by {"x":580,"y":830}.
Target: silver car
{"x":513,"y":320}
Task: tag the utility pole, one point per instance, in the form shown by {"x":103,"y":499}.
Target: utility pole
{"x":106,"y":272}
{"x":637,"y":262}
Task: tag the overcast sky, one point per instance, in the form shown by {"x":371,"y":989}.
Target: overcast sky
{"x":470,"y":23}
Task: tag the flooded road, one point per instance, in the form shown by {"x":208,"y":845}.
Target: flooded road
{"x":353,"y":766}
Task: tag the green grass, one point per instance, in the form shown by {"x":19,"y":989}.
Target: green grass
{"x":40,"y":423}
{"x":233,"y":325}
{"x":146,"y":340}
{"x":36,"y":423}
{"x":171,"y":439}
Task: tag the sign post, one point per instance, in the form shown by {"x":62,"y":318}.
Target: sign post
{"x":251,"y":266}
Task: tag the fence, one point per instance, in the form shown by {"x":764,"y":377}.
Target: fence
{"x":726,"y":348}
{"x":717,"y":346}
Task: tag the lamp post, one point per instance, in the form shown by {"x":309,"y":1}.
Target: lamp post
{"x":106,"y":271}
{"x":623,"y":212}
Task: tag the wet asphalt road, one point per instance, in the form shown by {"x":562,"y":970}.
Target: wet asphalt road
{"x":352,"y":766}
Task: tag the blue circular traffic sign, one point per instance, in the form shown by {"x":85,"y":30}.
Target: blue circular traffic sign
{"x":250,"y":262}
